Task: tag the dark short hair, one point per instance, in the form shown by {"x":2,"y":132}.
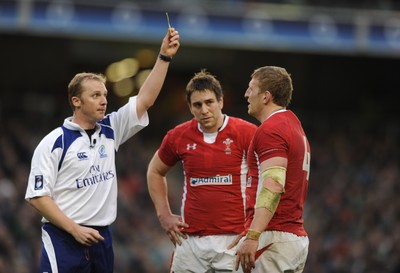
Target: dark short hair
{"x":201,"y":82}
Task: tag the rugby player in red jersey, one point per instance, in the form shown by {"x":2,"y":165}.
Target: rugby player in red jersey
{"x":276,"y":240}
{"x":212,"y":148}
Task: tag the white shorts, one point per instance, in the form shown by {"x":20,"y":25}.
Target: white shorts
{"x":205,"y":254}
{"x":287,"y":253}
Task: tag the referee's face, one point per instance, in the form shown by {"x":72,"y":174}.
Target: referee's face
{"x":92,"y":105}
{"x":207,"y":110}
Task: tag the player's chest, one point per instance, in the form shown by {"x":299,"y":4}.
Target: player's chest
{"x":222,"y":153}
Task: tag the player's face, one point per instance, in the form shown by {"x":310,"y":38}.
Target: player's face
{"x":92,"y":104}
{"x":207,"y":110}
{"x":255,"y":99}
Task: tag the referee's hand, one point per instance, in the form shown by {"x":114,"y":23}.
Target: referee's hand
{"x":87,"y":236}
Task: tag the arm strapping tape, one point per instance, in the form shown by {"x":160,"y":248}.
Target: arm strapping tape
{"x":276,"y":173}
{"x":266,"y":198}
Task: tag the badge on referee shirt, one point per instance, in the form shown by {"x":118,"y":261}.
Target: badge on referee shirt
{"x":38,"y":182}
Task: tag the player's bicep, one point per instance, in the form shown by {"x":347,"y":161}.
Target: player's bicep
{"x":157,"y":166}
{"x":270,"y":169}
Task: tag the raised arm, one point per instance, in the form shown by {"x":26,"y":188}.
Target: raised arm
{"x":150,"y":89}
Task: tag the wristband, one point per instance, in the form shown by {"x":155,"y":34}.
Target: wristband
{"x":253,"y":234}
{"x":164,"y":58}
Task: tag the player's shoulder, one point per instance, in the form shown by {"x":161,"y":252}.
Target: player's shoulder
{"x":278,"y":124}
{"x":242,"y":123}
{"x":183,"y":129}
{"x":187,"y":125}
{"x":285,"y":117}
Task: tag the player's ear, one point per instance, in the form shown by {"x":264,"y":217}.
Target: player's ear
{"x":190,"y":108}
{"x":221,"y":102}
{"x":267,"y":96}
{"x":76,"y":102}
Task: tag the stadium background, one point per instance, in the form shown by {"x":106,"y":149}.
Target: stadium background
{"x":344,"y":60}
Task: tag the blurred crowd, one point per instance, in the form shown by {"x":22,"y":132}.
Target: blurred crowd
{"x":352,"y":213}
{"x":353,"y":208}
{"x":354,"y":4}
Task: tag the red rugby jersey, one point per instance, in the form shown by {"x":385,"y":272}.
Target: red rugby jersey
{"x":282,"y":135}
{"x":215,"y":174}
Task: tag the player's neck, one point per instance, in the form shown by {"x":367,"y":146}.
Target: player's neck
{"x":222,"y":124}
{"x":272,"y":111}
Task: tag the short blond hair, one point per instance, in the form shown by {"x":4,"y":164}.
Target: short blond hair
{"x":75,"y":85}
{"x":277,"y":81}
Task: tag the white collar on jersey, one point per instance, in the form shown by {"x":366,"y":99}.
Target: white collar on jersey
{"x":276,"y":112}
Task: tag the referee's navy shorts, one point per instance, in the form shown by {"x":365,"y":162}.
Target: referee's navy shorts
{"x":61,"y":253}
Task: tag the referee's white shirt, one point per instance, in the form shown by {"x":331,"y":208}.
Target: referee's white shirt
{"x":79,"y":174}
